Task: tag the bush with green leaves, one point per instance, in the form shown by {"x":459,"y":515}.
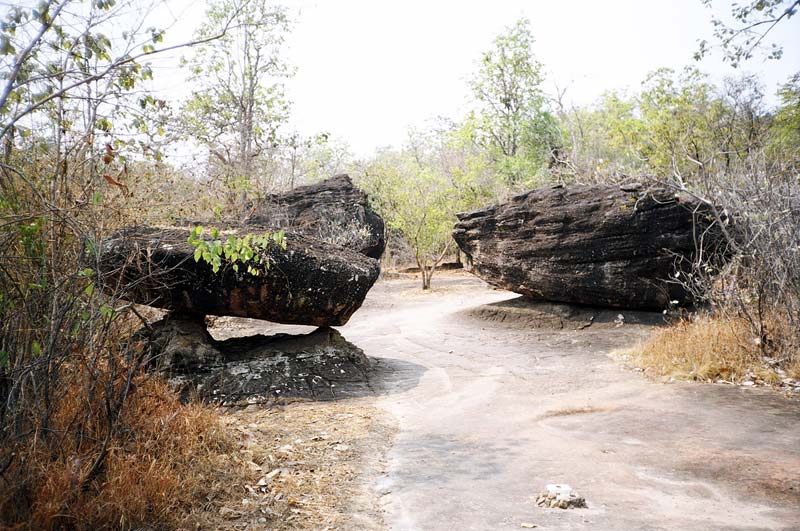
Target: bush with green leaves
{"x":247,"y":251}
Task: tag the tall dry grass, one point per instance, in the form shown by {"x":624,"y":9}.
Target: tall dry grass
{"x":163,"y":460}
{"x":710,"y":348}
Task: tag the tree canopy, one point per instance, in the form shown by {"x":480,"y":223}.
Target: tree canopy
{"x":512,"y":122}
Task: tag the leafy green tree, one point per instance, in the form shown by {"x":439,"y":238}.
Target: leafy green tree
{"x":675,"y":110}
{"x":416,"y":202}
{"x":419,"y":189}
{"x":512,"y":121}
{"x":604,"y":139}
{"x":784,"y":134}
{"x":678,"y":125}
{"x":238,"y":104}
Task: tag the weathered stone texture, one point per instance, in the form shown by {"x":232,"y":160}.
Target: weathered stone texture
{"x":333,"y":210}
{"x":310,"y":282}
{"x":599,"y":245}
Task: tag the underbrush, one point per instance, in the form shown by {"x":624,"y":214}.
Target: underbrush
{"x":719,"y":348}
{"x":162,"y":461}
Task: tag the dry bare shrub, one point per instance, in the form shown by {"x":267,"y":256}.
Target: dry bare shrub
{"x":163,"y":460}
{"x":344,"y":232}
{"x":757,"y":285}
{"x":85,"y":440}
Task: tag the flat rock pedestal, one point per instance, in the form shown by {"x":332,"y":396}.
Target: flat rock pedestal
{"x":321,"y":365}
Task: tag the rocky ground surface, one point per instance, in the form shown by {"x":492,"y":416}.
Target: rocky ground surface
{"x":475,"y":404}
{"x":320,"y":365}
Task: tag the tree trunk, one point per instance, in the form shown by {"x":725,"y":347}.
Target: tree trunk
{"x":426,"y":278}
{"x":426,"y":281}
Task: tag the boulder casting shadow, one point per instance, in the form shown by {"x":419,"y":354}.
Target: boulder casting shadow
{"x":600,"y":245}
{"x":308,"y":282}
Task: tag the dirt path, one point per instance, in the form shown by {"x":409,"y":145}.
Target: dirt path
{"x":488,"y":413}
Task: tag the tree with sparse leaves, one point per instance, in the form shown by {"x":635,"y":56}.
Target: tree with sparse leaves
{"x":420,"y":188}
{"x":512,"y":121}
{"x":73,"y":78}
{"x":753,"y":22}
{"x":238,"y":104}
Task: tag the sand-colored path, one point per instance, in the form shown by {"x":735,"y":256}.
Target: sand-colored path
{"x":489,"y":412}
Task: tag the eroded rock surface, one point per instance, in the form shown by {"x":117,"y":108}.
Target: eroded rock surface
{"x":310,"y":282}
{"x":533,"y":314}
{"x":179,"y":342}
{"x":321,"y":365}
{"x":596,"y":245}
{"x":333,"y":210}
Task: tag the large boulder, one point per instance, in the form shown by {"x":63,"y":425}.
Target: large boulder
{"x":599,"y":245}
{"x":309,"y":282}
{"x":333,"y":210}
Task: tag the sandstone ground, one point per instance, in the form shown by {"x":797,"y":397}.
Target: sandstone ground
{"x":468,"y":416}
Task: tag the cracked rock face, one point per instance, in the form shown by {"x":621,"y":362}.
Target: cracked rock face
{"x":599,"y":245}
{"x":333,"y":210}
{"x":310,"y":282}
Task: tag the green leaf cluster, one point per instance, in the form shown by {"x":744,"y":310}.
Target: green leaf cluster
{"x":247,"y":251}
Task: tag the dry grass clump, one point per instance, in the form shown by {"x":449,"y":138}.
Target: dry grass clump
{"x":162,"y":460}
{"x":170,"y":465}
{"x":714,"y":348}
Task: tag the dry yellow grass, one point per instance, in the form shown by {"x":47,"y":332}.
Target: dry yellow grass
{"x":163,"y":460}
{"x":707,"y":348}
{"x":193,"y":466}
{"x":306,"y":464}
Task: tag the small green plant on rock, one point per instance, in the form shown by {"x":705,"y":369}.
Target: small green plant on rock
{"x":246,"y":251}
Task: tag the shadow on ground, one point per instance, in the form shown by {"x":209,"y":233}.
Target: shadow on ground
{"x":553,"y":315}
{"x":321,"y":365}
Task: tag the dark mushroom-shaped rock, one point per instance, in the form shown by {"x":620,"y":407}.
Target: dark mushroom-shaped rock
{"x":599,"y":245}
{"x":333,"y":210}
{"x":310,"y":282}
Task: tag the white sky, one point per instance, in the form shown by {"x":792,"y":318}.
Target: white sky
{"x":369,"y":69}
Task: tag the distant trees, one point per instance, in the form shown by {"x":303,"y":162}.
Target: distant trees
{"x":784,"y":139}
{"x":602,"y":140}
{"x":676,"y":112}
{"x":678,"y":125}
{"x":238,"y":104}
{"x":418,"y":190}
{"x":512,"y":122}
{"x":506,"y":143}
{"x":298,"y":159}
